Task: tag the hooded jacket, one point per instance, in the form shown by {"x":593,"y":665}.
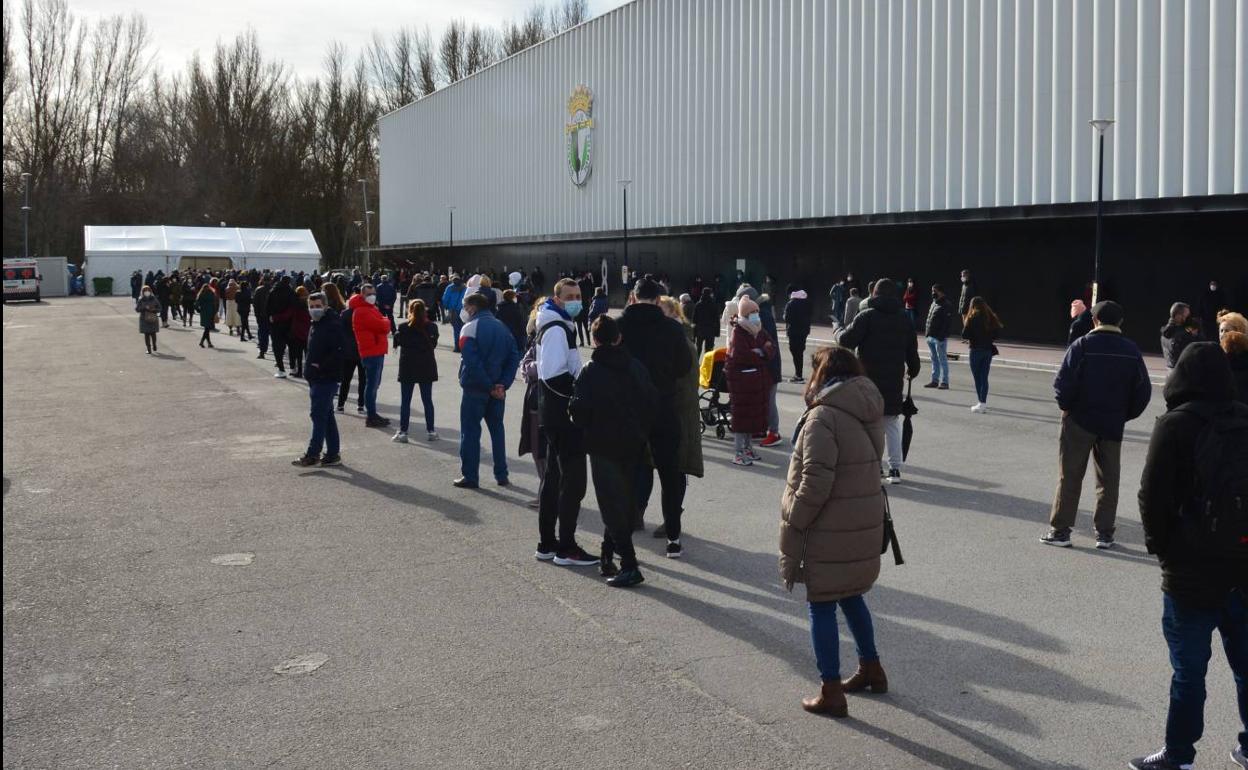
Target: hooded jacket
{"x":325,"y":349}
{"x":1103,"y":382}
{"x":797,"y":316}
{"x":659,"y":343}
{"x":832,"y":508}
{"x":706,"y":318}
{"x":558,"y":364}
{"x":371,"y":329}
{"x":417,"y":362}
{"x":1174,"y":339}
{"x":886,"y":345}
{"x":614,"y":404}
{"x":280,"y":298}
{"x":1202,"y":377}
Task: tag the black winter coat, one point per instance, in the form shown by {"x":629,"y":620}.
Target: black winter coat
{"x":323,"y":362}
{"x":706,"y":318}
{"x":658,"y":342}
{"x":512,"y":316}
{"x":1079,"y":327}
{"x":939,"y":319}
{"x":766,"y":313}
{"x":614,"y":404}
{"x":1174,"y":338}
{"x":1203,"y":378}
{"x":978,"y":335}
{"x":887,"y":347}
{"x":1239,"y":372}
{"x":350,"y":351}
{"x":797,"y":317}
{"x":416,"y":359}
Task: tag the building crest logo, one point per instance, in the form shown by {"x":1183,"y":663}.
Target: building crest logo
{"x":579,"y":134}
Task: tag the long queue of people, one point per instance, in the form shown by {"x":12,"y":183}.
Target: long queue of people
{"x":632,"y":412}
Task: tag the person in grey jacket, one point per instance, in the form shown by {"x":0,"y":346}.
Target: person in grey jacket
{"x":148,"y":308}
{"x":852,"y":306}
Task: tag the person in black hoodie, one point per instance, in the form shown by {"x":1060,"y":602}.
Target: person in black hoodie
{"x":281,"y":310}
{"x":659,"y":343}
{"x":415,"y":339}
{"x":323,"y":369}
{"x":1204,"y":582}
{"x":706,"y":321}
{"x":351,"y":364}
{"x":613,"y":403}
{"x":512,"y":316}
{"x":1177,"y":334}
{"x":797,"y":318}
{"x":889,"y":350}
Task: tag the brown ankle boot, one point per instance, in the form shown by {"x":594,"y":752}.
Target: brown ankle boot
{"x":830,"y":701}
{"x":870,"y":675}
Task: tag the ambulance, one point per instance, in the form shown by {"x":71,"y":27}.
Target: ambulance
{"x":21,"y":279}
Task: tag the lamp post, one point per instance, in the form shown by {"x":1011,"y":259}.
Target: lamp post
{"x":624,"y":183}
{"x":1101,"y":125}
{"x":451,"y":248}
{"x":359,"y":225}
{"x":368,"y":224}
{"x":26,"y":215}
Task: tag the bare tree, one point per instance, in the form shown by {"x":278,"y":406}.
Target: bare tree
{"x":451,"y":51}
{"x":426,"y":64}
{"x":568,"y":14}
{"x":118,"y":63}
{"x":481,"y":50}
{"x":393,"y":68}
{"x":10,"y":74}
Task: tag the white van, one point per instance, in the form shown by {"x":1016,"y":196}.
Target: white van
{"x":21,"y":279}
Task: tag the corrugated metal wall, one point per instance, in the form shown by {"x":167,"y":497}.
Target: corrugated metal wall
{"x":779,"y":109}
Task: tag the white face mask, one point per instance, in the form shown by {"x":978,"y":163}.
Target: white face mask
{"x":371,"y":299}
{"x":465,"y":316}
{"x":317,"y":313}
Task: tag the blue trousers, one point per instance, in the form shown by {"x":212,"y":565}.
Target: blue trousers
{"x":473,"y":408}
{"x":1189,"y":632}
{"x":372,"y":381}
{"x":324,"y":426}
{"x":456,"y":325}
{"x":981,"y":362}
{"x":405,"y":404}
{"x":262,"y":331}
{"x":826,"y":641}
{"x":940,"y":359}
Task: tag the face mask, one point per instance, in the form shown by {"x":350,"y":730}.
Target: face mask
{"x":317,"y":313}
{"x":573,"y":307}
{"x":465,"y":316}
{"x":1213,"y":287}
{"x":147,"y":294}
{"x":755,"y":318}
{"x":371,"y":299}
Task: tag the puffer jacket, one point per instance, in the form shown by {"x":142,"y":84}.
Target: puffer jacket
{"x":886,"y":345}
{"x":372,"y":330}
{"x":1103,"y":382}
{"x":749,"y":380}
{"x":832,"y":509}
{"x":1174,"y":337}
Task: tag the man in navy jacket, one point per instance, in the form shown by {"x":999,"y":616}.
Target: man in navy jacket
{"x":1102,"y":385}
{"x":323,"y":370}
{"x":486,"y":370}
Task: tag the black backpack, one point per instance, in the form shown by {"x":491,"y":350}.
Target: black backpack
{"x":1215,"y":518}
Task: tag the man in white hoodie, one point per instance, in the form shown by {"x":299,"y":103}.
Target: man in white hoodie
{"x":563,"y":486}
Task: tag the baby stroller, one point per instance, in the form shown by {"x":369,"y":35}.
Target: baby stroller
{"x":713,"y":402}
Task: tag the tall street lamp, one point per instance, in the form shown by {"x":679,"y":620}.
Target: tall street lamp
{"x":26,"y":215}
{"x":451,"y":248}
{"x":368,"y":223}
{"x":624,"y":183}
{"x":1101,"y":125}
{"x":359,"y":225}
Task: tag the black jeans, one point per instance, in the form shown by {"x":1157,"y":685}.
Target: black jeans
{"x":262,"y":328}
{"x":205,"y":338}
{"x":296,"y":355}
{"x":280,"y":334}
{"x":613,"y":485}
{"x":244,"y":318}
{"x":582,"y":329}
{"x":348,"y":370}
{"x":705,"y":345}
{"x":665,"y":449}
{"x":150,"y":341}
{"x":797,"y":346}
{"x":563,"y":487}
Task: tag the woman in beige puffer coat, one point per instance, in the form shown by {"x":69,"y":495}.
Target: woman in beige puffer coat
{"x":832,"y":519}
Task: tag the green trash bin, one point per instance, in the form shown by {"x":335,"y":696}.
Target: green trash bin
{"x":103,"y":286}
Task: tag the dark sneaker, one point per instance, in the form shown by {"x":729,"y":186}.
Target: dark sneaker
{"x":331,"y":460}
{"x":503,"y":482}
{"x":798,"y":380}
{"x":545,"y":552}
{"x":376,"y":421}
{"x":1158,"y":761}
{"x":464,"y":483}
{"x":1104,"y":542}
{"x":340,"y":409}
{"x":944,"y":386}
{"x":674,"y":551}
{"x":659,"y":531}
{"x":893,"y":477}
{"x":627,"y":579}
{"x":1057,"y":537}
{"x":608,"y":569}
{"x":575,"y":557}
{"x":359,"y":410}
{"x":1240,"y":757}
{"x":305,"y":461}
{"x":932,"y":385}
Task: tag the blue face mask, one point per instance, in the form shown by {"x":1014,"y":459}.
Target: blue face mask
{"x":572,"y":307}
{"x":755,"y":318}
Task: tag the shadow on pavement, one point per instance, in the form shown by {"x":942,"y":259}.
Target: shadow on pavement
{"x":401,"y":493}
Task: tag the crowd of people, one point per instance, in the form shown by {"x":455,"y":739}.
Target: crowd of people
{"x":632,"y":412}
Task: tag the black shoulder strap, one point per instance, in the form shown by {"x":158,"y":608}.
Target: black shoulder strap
{"x":571,"y":335}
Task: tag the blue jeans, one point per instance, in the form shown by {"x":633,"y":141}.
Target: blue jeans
{"x":1189,"y":631}
{"x":324,"y":426}
{"x":473,"y":408}
{"x":405,"y":405}
{"x":824,"y":637}
{"x":940,"y":359}
{"x":456,"y":325}
{"x":372,"y":381}
{"x":981,"y":362}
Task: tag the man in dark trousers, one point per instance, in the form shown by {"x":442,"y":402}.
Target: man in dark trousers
{"x":322,"y":369}
{"x":1194,"y":507}
{"x":281,"y":300}
{"x":968,"y":293}
{"x":659,"y":343}
{"x":936,"y":331}
{"x":885,"y":341}
{"x":1101,"y":386}
{"x":260,"y":302}
{"x":797,"y":319}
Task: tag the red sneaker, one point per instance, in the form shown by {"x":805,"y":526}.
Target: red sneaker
{"x":771,"y":440}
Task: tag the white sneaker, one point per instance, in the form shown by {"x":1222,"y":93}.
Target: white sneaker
{"x":979,"y":408}
{"x":279,"y":374}
{"x":400,"y":438}
{"x":433,"y":435}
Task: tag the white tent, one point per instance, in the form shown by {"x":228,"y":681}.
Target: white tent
{"x":118,"y":251}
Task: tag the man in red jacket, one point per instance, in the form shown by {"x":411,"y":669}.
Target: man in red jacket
{"x":372,"y":337}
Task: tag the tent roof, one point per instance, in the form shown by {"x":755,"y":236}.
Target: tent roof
{"x":161,"y":240}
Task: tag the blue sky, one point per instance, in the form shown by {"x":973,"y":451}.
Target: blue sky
{"x":298,"y":31}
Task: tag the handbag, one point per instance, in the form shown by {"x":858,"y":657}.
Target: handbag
{"x":890,"y":533}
